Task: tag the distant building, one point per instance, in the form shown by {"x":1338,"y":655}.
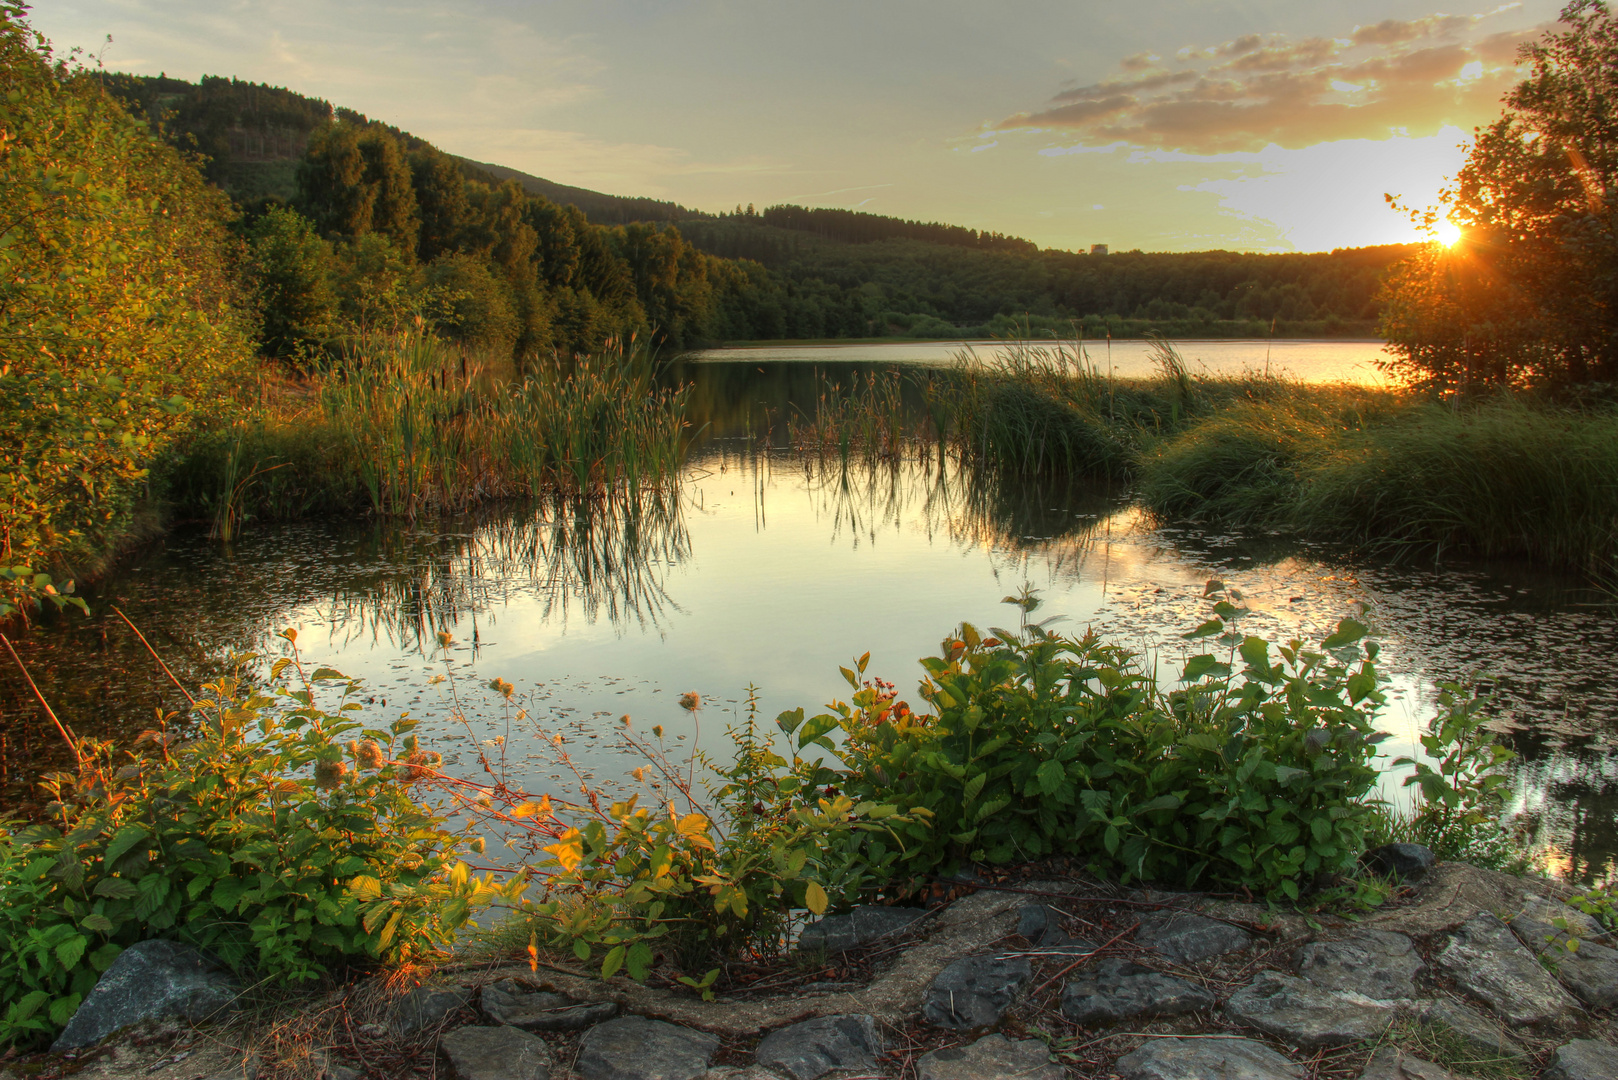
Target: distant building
{"x":1098,"y":249}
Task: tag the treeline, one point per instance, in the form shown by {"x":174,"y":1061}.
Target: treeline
{"x":854,"y":227}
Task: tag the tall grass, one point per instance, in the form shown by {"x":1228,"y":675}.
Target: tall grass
{"x":427,"y":430}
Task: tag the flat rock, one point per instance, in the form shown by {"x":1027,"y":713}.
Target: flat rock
{"x":1186,"y":938}
{"x":1041,"y":925}
{"x":1206,"y":1059}
{"x":496,"y":1053}
{"x":975,"y":991}
{"x":150,"y":980}
{"x":1481,"y":1033}
{"x":866,"y":923}
{"x":1301,"y":1014}
{"x":426,"y":1007}
{"x":1589,"y":968}
{"x":1391,"y":1063}
{"x":1376,"y":964}
{"x":510,"y":1002}
{"x":993,"y":1057}
{"x":635,"y":1048}
{"x":1119,"y":990}
{"x":1584,"y":1059}
{"x":1408,"y":863}
{"x":815,"y":1047}
{"x":1484,"y":957}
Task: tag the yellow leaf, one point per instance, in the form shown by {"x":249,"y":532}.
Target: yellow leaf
{"x":814,"y":898}
{"x":366,"y":887}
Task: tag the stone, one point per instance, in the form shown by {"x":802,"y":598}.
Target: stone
{"x":975,"y":991}
{"x":1206,"y":1059}
{"x":1485,"y":958}
{"x":635,"y":1048}
{"x":1391,"y":1063}
{"x":815,"y":1047}
{"x":150,"y":980}
{"x":425,"y":1007}
{"x":993,"y":1057}
{"x":1376,"y":964}
{"x":1408,"y":863}
{"x":752,"y":1072}
{"x":1589,"y":968}
{"x":496,"y":1053}
{"x":1301,"y":1014}
{"x":866,"y":923}
{"x":1184,"y":938}
{"x":1584,"y":1059}
{"x":1481,"y":1033}
{"x":510,"y":1002}
{"x":1119,"y":990}
{"x":1041,"y":925}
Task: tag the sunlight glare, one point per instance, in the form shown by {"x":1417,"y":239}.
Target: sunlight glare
{"x":1446,"y":232}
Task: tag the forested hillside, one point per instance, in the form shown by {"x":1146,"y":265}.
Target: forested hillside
{"x":352,"y":220}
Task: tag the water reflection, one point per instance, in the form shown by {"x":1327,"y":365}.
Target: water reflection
{"x":768,"y":567}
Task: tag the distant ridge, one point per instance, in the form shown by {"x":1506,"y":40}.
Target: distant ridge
{"x":600,"y":208}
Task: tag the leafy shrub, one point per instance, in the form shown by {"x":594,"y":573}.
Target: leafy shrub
{"x":1050,"y":745}
{"x":264,"y":839}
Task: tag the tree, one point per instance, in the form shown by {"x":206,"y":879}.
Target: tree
{"x":1528,"y":296}
{"x":354,"y":180}
{"x":291,"y":268}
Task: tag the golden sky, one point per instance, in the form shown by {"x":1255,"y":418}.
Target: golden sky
{"x":1266,"y":125}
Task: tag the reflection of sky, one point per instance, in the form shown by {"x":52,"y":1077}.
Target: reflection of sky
{"x":791,"y":573}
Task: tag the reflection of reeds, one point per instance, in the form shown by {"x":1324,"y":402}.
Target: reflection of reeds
{"x":867,"y":420}
{"x":606,"y":556}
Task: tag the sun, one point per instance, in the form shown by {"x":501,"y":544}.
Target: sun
{"x":1446,"y":232}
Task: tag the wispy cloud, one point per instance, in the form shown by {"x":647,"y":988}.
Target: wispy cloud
{"x":1396,"y":77}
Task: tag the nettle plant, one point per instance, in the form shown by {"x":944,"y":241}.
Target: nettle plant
{"x":1254,"y":772}
{"x":283,"y":835}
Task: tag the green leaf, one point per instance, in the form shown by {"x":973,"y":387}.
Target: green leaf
{"x":789,"y":720}
{"x":612,"y":961}
{"x":115,"y":888}
{"x":974,"y":786}
{"x":639,"y":960}
{"x":1051,"y":776}
{"x":97,"y":924}
{"x":581,"y":949}
{"x":1207,"y":629}
{"x":1348,"y":632}
{"x":69,"y":951}
{"x":122,"y":841}
{"x":1205,"y":664}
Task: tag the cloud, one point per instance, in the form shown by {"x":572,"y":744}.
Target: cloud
{"x":1398,"y":77}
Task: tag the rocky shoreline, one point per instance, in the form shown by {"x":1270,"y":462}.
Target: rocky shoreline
{"x":1041,"y":980}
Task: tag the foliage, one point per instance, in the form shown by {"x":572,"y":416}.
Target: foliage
{"x":117,"y":310}
{"x":1462,"y":796}
{"x":283,"y":837}
{"x":1526,"y":297}
{"x":291,"y":267}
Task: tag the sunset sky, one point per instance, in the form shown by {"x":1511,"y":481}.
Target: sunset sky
{"x":1266,"y":125}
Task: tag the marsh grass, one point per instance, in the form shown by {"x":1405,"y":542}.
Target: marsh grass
{"x":1441,"y":1045}
{"x":408,"y":426}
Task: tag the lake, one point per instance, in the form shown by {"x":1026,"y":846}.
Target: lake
{"x":763,"y":568}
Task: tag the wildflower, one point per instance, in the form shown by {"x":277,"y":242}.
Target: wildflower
{"x":329,"y":774}
{"x":477,"y":844}
{"x":445,"y":638}
{"x":657,"y":730}
{"x":690,"y":701}
{"x":501,"y":687}
{"x":367,"y":754}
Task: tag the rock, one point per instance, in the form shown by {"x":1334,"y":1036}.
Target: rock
{"x":1408,"y":863}
{"x":635,"y":1048}
{"x":752,"y":1072}
{"x":496,"y":1053}
{"x":1480,"y":1033}
{"x":975,"y":991}
{"x":1184,"y":938}
{"x":148,"y":981}
{"x":816,"y":1047}
{"x":1302,"y":1014}
{"x":1206,"y":1059}
{"x":332,"y":1069}
{"x":510,"y":1002}
{"x":836,"y":933}
{"x":1373,"y":963}
{"x":425,"y":1007}
{"x":1119,"y":990}
{"x":1485,"y":958}
{"x":1391,"y":1063}
{"x":993,"y":1057}
{"x":1041,"y":925}
{"x":1584,"y":1059}
{"x":1590,"y":968}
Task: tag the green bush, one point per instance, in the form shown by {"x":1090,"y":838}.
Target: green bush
{"x":266,"y":839}
{"x":119,"y":318}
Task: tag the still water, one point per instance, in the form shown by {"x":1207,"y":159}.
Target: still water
{"x":764,"y":568}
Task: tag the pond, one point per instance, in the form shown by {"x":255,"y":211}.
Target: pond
{"x":763,"y":568}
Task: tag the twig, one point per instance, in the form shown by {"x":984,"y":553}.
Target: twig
{"x":1082,"y":959}
{"x":119,"y":612}
{"x":67,"y":735}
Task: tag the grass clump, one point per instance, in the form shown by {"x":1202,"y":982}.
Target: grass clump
{"x":1442,"y":1045}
